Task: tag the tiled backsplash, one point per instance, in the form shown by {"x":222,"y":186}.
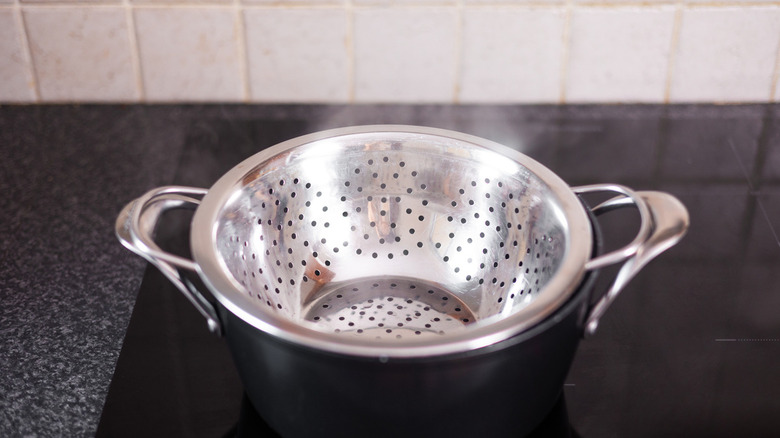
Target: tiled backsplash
{"x":443,"y":51}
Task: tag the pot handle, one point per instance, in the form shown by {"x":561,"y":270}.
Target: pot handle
{"x":135,"y":227}
{"x":664,"y":221}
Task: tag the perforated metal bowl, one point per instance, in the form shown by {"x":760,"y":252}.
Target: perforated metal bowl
{"x":384,"y":240}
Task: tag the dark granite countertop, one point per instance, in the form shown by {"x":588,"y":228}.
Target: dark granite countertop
{"x":691,"y":348}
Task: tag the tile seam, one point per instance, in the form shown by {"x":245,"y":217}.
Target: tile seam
{"x":775,"y":75}
{"x":456,"y":87}
{"x":350,"y":47}
{"x":565,"y":51}
{"x":339,"y":5}
{"x":674,"y":45}
{"x":135,"y":58}
{"x":24,"y":38}
{"x":242,"y":51}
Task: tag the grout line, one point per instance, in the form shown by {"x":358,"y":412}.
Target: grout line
{"x":27,"y":51}
{"x":224,"y":5}
{"x":484,"y":4}
{"x":350,"y":47}
{"x":243,"y":55}
{"x":133,"y":5}
{"x":422,"y":5}
{"x":564,"y":79}
{"x":530,"y":5}
{"x":731,"y":4}
{"x":321,"y":5}
{"x":775,"y":75}
{"x":697,"y":5}
{"x":74,"y":5}
{"x":458,"y":52}
{"x":674,"y":45}
{"x":135,"y":57}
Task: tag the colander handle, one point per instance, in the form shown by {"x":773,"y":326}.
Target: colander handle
{"x":664,"y":221}
{"x":135,"y":227}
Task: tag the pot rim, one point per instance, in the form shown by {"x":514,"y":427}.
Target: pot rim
{"x":232,"y":295}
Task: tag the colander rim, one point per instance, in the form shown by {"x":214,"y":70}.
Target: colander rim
{"x":231,"y":294}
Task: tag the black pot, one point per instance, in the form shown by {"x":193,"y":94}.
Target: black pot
{"x":505,"y":389}
{"x":497,"y":377}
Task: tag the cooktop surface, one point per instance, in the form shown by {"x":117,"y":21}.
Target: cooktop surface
{"x":690,"y":348}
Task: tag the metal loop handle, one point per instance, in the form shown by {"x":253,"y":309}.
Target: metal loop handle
{"x":135,"y":227}
{"x":629,"y":197}
{"x":665,"y":221}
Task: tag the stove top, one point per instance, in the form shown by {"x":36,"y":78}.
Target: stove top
{"x":175,"y":379}
{"x":690,"y":348}
{"x":251,"y":425}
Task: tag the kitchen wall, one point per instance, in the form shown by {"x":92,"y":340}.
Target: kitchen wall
{"x":443,"y":51}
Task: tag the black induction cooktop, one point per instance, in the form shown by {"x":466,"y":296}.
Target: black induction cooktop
{"x":691,"y":348}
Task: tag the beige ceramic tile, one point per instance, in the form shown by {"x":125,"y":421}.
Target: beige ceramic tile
{"x":424,"y":2}
{"x":363,"y":3}
{"x":511,"y":54}
{"x":515,"y":2}
{"x":730,"y":2}
{"x":16,"y":82}
{"x":404,"y":3}
{"x":175,"y":2}
{"x":81,"y":54}
{"x":726,"y":54}
{"x":297,"y":55}
{"x":625,"y":2}
{"x":619,"y":54}
{"x":60,"y":2}
{"x":297,"y":2}
{"x":189,"y":54}
{"x":405,"y":55}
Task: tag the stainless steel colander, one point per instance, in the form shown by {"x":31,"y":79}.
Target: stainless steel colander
{"x":385,"y":240}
